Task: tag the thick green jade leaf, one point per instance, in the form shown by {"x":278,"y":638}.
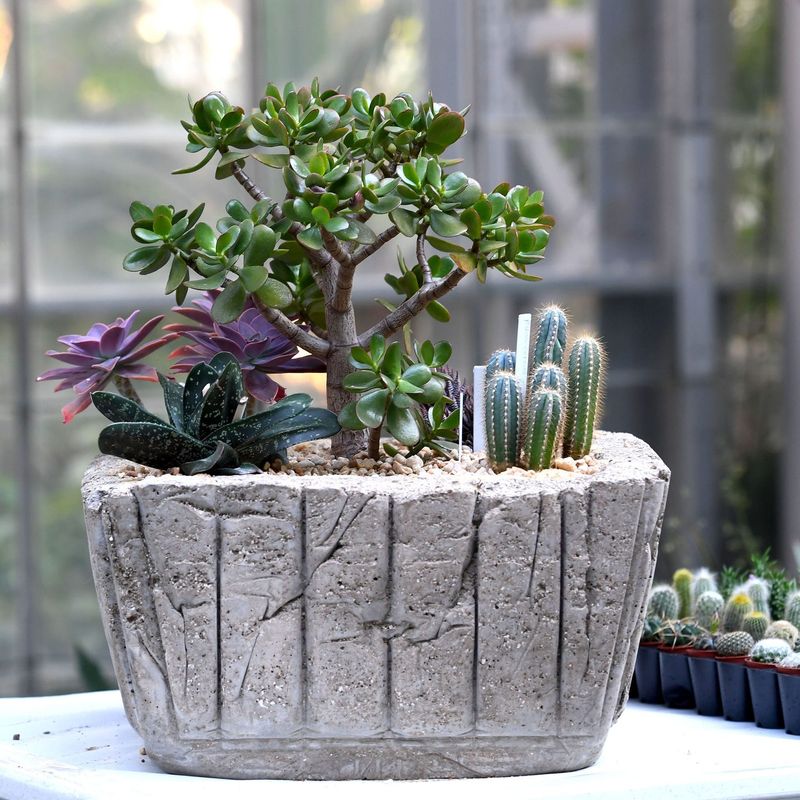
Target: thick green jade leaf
{"x":230,"y":303}
{"x":393,"y":361}
{"x":274,"y":294}
{"x":446,"y":224}
{"x":150,"y":444}
{"x":405,"y":220}
{"x":360,"y":381}
{"x":445,"y":129}
{"x":349,"y":419}
{"x":173,"y":400}
{"x":438,"y":311}
{"x":253,"y":277}
{"x":402,"y":425}
{"x":274,"y":160}
{"x":311,"y":238}
{"x":120,"y":409}
{"x":417,"y":374}
{"x":371,"y":407}
{"x":261,"y":246}
{"x":223,"y":456}
{"x":141,"y":257}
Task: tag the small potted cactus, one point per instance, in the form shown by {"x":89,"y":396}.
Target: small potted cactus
{"x":732,"y":649}
{"x":677,"y":638}
{"x":328,"y":593}
{"x":788,"y":671}
{"x":763,"y":681}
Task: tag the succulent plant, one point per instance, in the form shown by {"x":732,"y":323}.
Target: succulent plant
{"x":259,"y":347}
{"x":663,"y":602}
{"x":548,"y":376}
{"x":792,"y":661}
{"x":682,"y":583}
{"x":550,"y":339}
{"x":104,"y":353}
{"x":703,"y":581}
{"x":770,"y":651}
{"x":758,"y":591}
{"x":500,"y":361}
{"x":735,"y":643}
{"x":679,"y":633}
{"x":756,"y":623}
{"x":792,"y":608}
{"x":503,"y":416}
{"x":394,"y":389}
{"x":650,"y":629}
{"x":783,"y":629}
{"x":454,"y":388}
{"x":544,"y":414}
{"x":207,"y":430}
{"x":739,"y":605}
{"x":708,"y":610}
{"x":584,"y":381}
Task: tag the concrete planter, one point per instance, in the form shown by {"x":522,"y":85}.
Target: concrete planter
{"x":372,"y":627}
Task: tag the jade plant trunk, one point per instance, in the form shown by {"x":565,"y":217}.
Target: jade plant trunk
{"x":275,"y":626}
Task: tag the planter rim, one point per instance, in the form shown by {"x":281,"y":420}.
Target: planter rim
{"x":748,"y":662}
{"x":648,"y":644}
{"x":697,"y":653}
{"x":730,"y":659}
{"x":665,"y":648}
{"x":795,"y":671}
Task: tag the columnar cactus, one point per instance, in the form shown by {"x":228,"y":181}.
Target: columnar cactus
{"x":736,"y":609}
{"x":770,"y":651}
{"x":756,"y":623}
{"x":663,"y":602}
{"x":502,"y":419}
{"x":549,"y":376}
{"x":783,"y":629}
{"x":792,"y":609}
{"x":500,"y":361}
{"x":735,"y":643}
{"x":551,"y":337}
{"x":584,"y":379}
{"x":758,"y":591}
{"x":543,"y":422}
{"x":708,"y":609}
{"x":682,"y":583}
{"x":703,"y":581}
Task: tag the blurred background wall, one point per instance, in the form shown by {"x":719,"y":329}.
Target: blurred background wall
{"x":653,"y":127}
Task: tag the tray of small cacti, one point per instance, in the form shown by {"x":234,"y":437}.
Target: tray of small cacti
{"x":726,"y":646}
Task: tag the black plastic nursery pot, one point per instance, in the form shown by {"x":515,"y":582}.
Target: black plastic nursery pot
{"x":648,"y":673}
{"x":676,"y":682}
{"x":789,"y":687}
{"x":764,"y":693}
{"x":734,"y":689}
{"x":705,"y":682}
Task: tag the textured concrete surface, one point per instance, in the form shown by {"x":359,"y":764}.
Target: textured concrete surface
{"x":372,"y":627}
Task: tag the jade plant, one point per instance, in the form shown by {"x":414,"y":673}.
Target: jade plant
{"x":357,"y":172}
{"x":557,"y":412}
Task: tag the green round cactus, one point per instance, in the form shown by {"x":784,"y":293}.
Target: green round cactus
{"x":548,"y":376}
{"x":783,"y":629}
{"x":584,"y":386}
{"x":792,"y":661}
{"x":736,"y":643}
{"x":543,"y":419}
{"x":702,"y":581}
{"x":792,"y":609}
{"x":736,"y":609}
{"x":650,"y":630}
{"x":663,"y":602}
{"x":677,"y":633}
{"x":502,"y":420}
{"x":708,"y":609}
{"x":682,"y":584}
{"x":500,"y":361}
{"x":770,"y":651}
{"x":551,"y":337}
{"x":755,"y":623}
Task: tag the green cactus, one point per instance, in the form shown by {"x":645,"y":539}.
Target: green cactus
{"x":736,"y":643}
{"x":758,"y":591}
{"x":708,"y":609}
{"x":502,"y":419}
{"x":736,"y":609}
{"x":682,"y":584}
{"x":543,"y":419}
{"x":792,"y":609}
{"x":770,"y":651}
{"x":755,"y":623}
{"x":584,"y":382}
{"x":500,"y":361}
{"x":663,"y":602}
{"x":703,"y":581}
{"x":551,"y":337}
{"x":678,"y":633}
{"x":783,"y":629}
{"x":548,"y":376}
{"x":650,"y":630}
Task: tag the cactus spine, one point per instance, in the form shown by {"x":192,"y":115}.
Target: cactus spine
{"x":758,"y":591}
{"x":663,"y":602}
{"x":735,"y":643}
{"x":755,"y":623}
{"x":500,"y":361}
{"x":708,"y":609}
{"x":682,"y":584}
{"x":583,"y":385}
{"x":736,"y":609}
{"x":782,"y":629}
{"x":792,"y":610}
{"x":549,"y":376}
{"x":770,"y":651}
{"x":703,"y":582}
{"x":542,"y":429}
{"x":502,"y":419}
{"x":551,"y":337}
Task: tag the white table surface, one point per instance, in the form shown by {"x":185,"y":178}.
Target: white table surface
{"x":81,"y":746}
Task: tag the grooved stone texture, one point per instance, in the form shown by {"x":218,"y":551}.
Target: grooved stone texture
{"x":277,"y":626}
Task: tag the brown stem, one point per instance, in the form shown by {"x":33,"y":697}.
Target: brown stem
{"x":247,"y":183}
{"x":374,"y":448}
{"x":422,"y":260}
{"x":409,"y":309}
{"x":125,"y":388}
{"x":368,"y":249}
{"x":294,"y":333}
{"x":334,"y":247}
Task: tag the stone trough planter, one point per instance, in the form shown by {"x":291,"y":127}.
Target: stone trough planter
{"x":337,"y":627}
